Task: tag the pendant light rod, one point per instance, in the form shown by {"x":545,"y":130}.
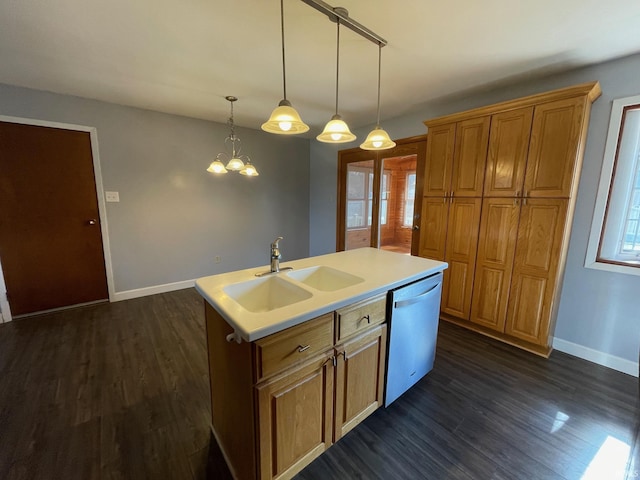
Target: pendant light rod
{"x":284,"y":74}
{"x":337,"y":62}
{"x":379,"y":72}
{"x":338,"y":14}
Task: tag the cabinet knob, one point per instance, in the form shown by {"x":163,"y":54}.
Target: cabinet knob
{"x":303,"y":348}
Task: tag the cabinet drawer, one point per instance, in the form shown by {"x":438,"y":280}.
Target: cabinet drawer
{"x":361,"y":315}
{"x":293,"y":345}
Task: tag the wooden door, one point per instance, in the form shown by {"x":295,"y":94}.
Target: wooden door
{"x":494,"y":263}
{"x":359,"y":379}
{"x":439,"y":161}
{"x":295,"y":418}
{"x":462,"y":243}
{"x":433,"y":227}
{"x":50,"y":238}
{"x":534,"y":283}
{"x":555,"y":139}
{"x":508,"y":149}
{"x":470,"y":157}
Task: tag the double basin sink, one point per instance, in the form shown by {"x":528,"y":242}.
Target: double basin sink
{"x":282,"y":289}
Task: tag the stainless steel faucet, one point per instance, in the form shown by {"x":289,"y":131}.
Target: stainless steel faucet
{"x":275,"y":259}
{"x":275,"y":255}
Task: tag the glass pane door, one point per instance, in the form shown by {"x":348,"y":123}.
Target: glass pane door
{"x":397,"y":197}
{"x":359,"y":204}
{"x":379,"y":197}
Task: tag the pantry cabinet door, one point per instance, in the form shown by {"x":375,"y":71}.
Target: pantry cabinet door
{"x":496,"y":249}
{"x":437,"y":172}
{"x":433,"y":227}
{"x":470,"y":157}
{"x":534,"y":285}
{"x":462,"y":242}
{"x":508,"y":149}
{"x":555,"y":142}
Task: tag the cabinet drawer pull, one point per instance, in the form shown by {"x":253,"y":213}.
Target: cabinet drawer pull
{"x":302,"y":348}
{"x":366,"y":317}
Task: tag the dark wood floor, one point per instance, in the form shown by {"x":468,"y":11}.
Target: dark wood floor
{"x":120,"y":391}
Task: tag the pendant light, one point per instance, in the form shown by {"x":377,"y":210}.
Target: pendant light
{"x":336,"y":130}
{"x":378,"y":139}
{"x":237,"y":162}
{"x":284,"y":120}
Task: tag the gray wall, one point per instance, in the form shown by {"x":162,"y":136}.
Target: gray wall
{"x":174,"y":217}
{"x":598,"y":310}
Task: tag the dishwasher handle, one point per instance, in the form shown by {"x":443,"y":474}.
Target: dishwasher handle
{"x":418,"y":298}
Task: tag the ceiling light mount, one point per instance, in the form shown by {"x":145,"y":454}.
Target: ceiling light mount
{"x":342,"y":14}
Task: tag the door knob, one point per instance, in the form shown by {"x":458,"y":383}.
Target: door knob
{"x":92,"y":222}
{"x":416,"y":227}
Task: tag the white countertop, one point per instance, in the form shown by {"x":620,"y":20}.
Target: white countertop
{"x":380,"y":270}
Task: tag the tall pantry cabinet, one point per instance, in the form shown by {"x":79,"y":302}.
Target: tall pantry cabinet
{"x":499,"y":191}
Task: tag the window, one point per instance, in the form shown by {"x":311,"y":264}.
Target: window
{"x":356,"y":194}
{"x":384,"y":200}
{"x":409,"y":197}
{"x":614,"y":243}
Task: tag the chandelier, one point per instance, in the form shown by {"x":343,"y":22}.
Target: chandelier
{"x":235,"y":161}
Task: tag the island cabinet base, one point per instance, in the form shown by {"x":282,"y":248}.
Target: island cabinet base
{"x":281,"y":401}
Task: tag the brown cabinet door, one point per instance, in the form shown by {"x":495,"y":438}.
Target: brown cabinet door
{"x":359,"y":379}
{"x":496,"y":249}
{"x":295,"y":418}
{"x":535,"y":270}
{"x":437,"y":172}
{"x":507,"y":157}
{"x":470,"y":157}
{"x":460,"y":254}
{"x":433,"y":227}
{"x":555,"y":140}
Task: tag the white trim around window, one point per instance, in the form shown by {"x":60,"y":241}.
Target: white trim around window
{"x":618,"y":184}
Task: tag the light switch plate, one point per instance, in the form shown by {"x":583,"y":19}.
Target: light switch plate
{"x":112,"y":196}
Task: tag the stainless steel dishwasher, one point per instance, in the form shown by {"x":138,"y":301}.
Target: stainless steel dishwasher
{"x":413,"y":312}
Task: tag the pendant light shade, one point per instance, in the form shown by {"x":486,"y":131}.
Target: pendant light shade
{"x":217,"y":167}
{"x":284,"y":120}
{"x":249,"y":170}
{"x":336,"y":130}
{"x":378,"y":139}
{"x":236,"y":162}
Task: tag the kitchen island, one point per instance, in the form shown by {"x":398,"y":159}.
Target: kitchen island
{"x":297,"y":358}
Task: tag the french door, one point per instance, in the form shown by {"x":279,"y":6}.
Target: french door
{"x":378,"y":197}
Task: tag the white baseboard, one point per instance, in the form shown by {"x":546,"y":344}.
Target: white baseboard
{"x":595,"y":356}
{"x":143,"y":292}
{"x":5,"y":311}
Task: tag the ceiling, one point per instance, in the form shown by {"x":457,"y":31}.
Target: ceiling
{"x":184,"y":57}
